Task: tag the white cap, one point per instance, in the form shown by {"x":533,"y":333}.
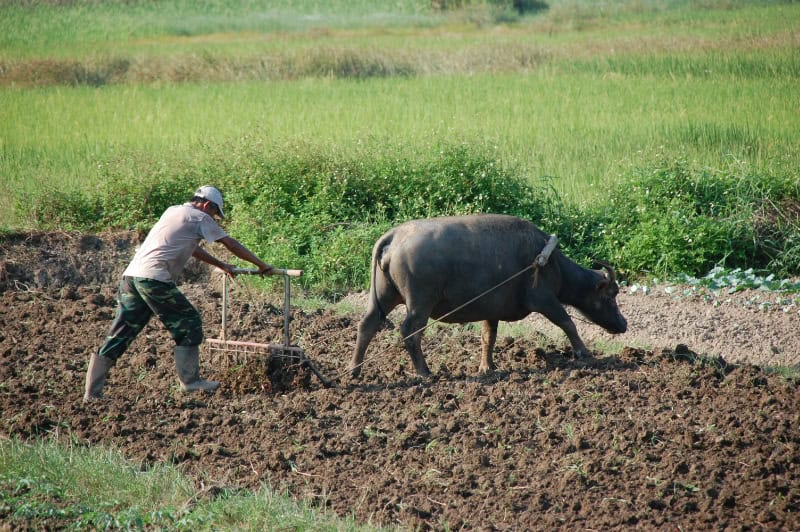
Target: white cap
{"x":211,"y":194}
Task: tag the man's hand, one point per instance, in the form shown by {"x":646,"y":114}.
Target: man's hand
{"x":229,"y":269}
{"x":265,"y":269}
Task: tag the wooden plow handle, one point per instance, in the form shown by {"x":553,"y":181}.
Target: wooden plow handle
{"x":274,"y":271}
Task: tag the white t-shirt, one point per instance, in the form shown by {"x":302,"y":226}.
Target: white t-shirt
{"x":167,"y":248}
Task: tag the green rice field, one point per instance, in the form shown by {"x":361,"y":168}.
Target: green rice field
{"x":577,"y":98}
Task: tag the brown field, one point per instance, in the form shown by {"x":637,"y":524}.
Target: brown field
{"x":649,"y":438}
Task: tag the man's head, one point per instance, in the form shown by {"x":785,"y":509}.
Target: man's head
{"x":208,"y":193}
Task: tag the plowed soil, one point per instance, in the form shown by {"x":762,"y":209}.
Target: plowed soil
{"x":650,"y":435}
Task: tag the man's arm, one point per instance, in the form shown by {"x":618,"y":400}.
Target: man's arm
{"x":238,"y":249}
{"x":201,"y":254}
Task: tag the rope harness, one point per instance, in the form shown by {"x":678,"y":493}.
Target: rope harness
{"x":539,"y":262}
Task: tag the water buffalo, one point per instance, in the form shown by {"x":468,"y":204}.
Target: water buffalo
{"x":435,"y":266}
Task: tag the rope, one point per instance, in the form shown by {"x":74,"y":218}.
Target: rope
{"x":492,"y":289}
{"x":539,"y":262}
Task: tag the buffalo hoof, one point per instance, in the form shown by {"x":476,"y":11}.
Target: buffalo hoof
{"x":486,"y":370}
{"x":582,"y":353}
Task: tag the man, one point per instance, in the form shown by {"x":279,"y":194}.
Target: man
{"x":148,"y":287}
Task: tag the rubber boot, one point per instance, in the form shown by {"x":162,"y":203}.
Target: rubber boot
{"x":187,"y":362}
{"x":96,"y":377}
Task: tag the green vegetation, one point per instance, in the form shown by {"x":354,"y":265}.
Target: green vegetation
{"x":51,"y":485}
{"x":657,"y":134}
{"x":677,"y":218}
{"x":321,"y":210}
{"x":737,"y":279}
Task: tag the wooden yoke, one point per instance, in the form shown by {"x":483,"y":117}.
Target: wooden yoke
{"x":541,"y":259}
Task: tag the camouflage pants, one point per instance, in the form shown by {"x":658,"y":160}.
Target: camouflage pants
{"x":140,"y":298}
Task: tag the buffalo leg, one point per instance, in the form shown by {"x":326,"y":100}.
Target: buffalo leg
{"x":384,"y":298}
{"x":578,"y":347}
{"x":411,"y":329}
{"x":488,"y":338}
{"x":553,"y":311}
{"x":367,"y":328}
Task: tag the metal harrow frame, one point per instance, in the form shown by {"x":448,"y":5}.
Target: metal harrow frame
{"x":238,"y":351}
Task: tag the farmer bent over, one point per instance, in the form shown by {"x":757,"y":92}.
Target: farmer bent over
{"x":148,"y":287}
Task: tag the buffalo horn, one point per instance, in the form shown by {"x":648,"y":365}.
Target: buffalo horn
{"x":612,"y":275}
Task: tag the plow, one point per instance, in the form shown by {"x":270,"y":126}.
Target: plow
{"x":228,"y":352}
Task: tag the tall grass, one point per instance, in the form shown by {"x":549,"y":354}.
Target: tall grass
{"x":321,"y":209}
{"x":582,"y":132}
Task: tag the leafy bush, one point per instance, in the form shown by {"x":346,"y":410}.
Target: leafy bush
{"x":303,"y":206}
{"x":527,"y":6}
{"x":323,"y":212}
{"x":520,"y":6}
{"x":674,"y":218}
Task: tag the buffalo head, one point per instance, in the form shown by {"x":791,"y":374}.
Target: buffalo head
{"x":600,"y":303}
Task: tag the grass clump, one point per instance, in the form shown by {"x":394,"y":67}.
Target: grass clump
{"x":52,"y":485}
{"x":45,"y":485}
